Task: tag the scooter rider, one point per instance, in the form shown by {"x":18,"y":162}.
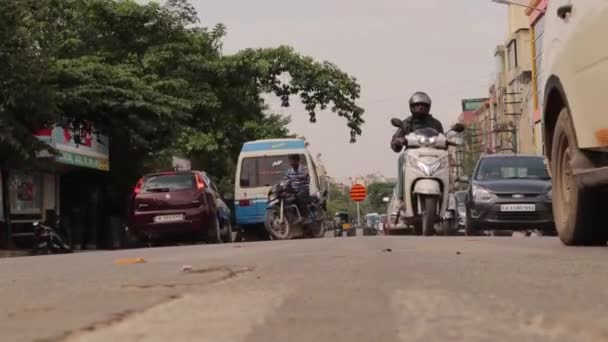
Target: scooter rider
{"x":420,"y":106}
{"x":299,"y":178}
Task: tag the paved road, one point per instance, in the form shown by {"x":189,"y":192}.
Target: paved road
{"x":335,"y":289}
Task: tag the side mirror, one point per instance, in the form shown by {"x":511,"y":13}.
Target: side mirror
{"x":228,"y":197}
{"x":458,"y":128}
{"x":396,"y":122}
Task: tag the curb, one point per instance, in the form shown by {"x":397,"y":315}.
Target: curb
{"x":13,"y":254}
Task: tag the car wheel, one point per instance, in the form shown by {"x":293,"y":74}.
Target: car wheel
{"x":214,"y":234}
{"x":576,"y":211}
{"x":227,"y":232}
{"x":470,"y":229}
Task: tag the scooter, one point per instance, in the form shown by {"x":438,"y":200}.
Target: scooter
{"x":426,"y":177}
{"x":48,"y":241}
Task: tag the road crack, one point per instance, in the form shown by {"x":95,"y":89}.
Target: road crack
{"x":230,"y":272}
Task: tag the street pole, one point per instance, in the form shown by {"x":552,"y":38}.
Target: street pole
{"x":358,"y":215}
{"x":4,"y":175}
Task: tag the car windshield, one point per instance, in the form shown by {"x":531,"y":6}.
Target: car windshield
{"x":499,"y":168}
{"x":265,"y":170}
{"x":427,"y":132}
{"x":169,"y":182}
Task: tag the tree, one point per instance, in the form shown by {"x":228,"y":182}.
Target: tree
{"x":154,"y":80}
{"x":26,"y":96}
{"x":376,"y":193}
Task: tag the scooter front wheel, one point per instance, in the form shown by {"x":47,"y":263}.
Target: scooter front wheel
{"x":429,"y":215}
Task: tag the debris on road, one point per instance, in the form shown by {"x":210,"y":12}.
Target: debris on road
{"x":458,"y":252}
{"x":187,"y":268}
{"x":129,"y":261}
{"x":388,"y":250}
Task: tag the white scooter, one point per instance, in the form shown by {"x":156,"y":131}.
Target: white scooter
{"x":426,"y":177}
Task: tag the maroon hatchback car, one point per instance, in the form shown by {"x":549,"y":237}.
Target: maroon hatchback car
{"x":177,"y":203}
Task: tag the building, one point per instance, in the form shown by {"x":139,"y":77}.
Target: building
{"x":69,"y":185}
{"x":536,"y":19}
{"x":483,"y":118}
{"x":467,"y":118}
{"x":511,"y":107}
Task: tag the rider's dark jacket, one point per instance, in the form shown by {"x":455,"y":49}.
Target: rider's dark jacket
{"x":411,"y":124}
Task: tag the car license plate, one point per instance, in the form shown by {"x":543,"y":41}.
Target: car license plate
{"x":517,"y":207}
{"x":168,"y":218}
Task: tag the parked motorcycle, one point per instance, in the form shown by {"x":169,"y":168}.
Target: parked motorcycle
{"x":426,"y":177}
{"x":48,"y":241}
{"x":283,"y":217}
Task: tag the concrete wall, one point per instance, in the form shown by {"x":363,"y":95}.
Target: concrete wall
{"x":517,"y":19}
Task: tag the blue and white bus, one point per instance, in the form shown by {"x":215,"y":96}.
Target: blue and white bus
{"x":262,"y":164}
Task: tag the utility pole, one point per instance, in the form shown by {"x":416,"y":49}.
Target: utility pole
{"x":4,"y":176}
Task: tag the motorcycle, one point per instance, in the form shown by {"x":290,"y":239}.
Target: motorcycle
{"x":426,"y":177}
{"x":284,"y":220}
{"x":341,"y":224}
{"x":338,"y":230}
{"x":48,"y":241}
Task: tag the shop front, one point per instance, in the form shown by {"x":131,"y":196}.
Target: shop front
{"x":35,"y":192}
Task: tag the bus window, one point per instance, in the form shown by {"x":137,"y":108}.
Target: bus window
{"x":264,"y":170}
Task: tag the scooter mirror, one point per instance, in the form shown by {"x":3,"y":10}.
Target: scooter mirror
{"x":396,"y":122}
{"x":458,"y":128}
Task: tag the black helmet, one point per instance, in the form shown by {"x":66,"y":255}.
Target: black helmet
{"x":420,"y":98}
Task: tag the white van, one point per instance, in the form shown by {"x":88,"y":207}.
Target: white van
{"x":575,"y":122}
{"x":261,"y":164}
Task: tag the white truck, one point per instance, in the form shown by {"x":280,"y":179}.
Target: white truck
{"x":575,"y":117}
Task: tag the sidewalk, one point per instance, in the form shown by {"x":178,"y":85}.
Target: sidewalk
{"x":4,"y":253}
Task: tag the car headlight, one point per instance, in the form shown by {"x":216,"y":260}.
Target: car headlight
{"x":550,"y":194}
{"x":482,"y":195}
{"x":430,"y":168}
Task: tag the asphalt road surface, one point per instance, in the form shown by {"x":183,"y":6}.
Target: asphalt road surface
{"x":397,"y":288}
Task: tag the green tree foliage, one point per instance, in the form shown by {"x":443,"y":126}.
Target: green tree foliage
{"x":376,"y":192}
{"x":154,"y":80}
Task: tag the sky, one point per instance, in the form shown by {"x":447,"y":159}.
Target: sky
{"x":392,"y":47}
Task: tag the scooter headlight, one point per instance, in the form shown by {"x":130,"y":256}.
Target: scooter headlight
{"x":426,"y":141}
